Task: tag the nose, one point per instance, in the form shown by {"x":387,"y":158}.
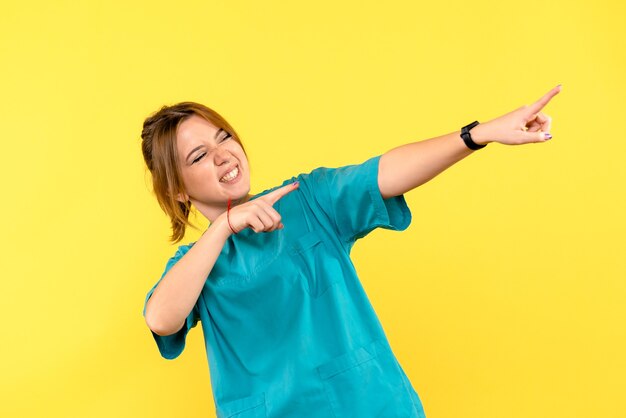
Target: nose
{"x":222,"y":156}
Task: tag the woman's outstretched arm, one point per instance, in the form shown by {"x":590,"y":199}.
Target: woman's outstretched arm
{"x":411,"y":165}
{"x":408,"y":166}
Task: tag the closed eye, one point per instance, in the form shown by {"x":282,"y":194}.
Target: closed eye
{"x":199,"y":158}
{"x":204,"y":153}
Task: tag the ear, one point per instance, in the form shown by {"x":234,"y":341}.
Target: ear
{"x":182,"y":198}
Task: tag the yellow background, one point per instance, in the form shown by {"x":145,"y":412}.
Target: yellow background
{"x":504,"y":298}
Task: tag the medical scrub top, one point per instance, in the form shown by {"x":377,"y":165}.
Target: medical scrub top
{"x":288,"y":328}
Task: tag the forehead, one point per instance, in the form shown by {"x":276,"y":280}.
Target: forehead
{"x":192,"y":130}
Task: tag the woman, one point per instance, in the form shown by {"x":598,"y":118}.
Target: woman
{"x":289,"y":330}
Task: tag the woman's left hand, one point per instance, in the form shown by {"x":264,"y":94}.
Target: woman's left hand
{"x":522,"y":126}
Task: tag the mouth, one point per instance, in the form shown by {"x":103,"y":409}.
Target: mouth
{"x":232,"y":177}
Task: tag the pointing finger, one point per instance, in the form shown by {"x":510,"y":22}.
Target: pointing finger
{"x":273,"y":196}
{"x":539,"y":104}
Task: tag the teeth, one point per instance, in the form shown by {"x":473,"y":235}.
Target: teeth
{"x":231,"y":175}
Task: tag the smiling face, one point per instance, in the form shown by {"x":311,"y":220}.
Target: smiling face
{"x":205,"y":154}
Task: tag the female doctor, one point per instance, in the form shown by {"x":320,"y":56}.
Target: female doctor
{"x":288,"y":328}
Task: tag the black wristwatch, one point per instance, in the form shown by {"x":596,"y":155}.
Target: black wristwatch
{"x":467,"y":138}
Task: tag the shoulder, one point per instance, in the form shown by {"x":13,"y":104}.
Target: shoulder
{"x":311,"y":180}
{"x":298,"y":177}
{"x":347,"y":171}
{"x":347,"y":176}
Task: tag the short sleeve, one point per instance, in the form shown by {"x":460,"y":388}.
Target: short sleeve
{"x":170,"y":346}
{"x":350,"y":199}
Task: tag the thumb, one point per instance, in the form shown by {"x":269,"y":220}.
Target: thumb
{"x":535,"y":136}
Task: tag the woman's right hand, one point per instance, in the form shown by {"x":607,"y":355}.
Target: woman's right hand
{"x":258,"y":213}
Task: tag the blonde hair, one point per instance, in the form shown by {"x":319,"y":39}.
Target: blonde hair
{"x":161,"y":156}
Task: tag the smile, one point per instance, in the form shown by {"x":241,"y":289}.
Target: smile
{"x":232,"y":176}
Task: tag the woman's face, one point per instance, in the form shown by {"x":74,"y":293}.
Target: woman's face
{"x":206,"y":154}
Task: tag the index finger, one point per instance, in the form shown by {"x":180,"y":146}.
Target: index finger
{"x":273,"y":196}
{"x":539,"y":104}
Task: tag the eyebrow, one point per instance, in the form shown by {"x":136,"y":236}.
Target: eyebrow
{"x":200,"y":146}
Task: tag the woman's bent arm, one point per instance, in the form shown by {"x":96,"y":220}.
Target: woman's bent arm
{"x":178,"y":291}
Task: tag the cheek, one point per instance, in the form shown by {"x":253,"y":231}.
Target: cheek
{"x":242,"y":157}
{"x":200,"y":177}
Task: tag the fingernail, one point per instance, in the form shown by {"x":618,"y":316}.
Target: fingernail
{"x":548,"y":136}
{"x":295,"y":183}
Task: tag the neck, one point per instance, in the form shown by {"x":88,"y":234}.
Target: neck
{"x":213,"y":214}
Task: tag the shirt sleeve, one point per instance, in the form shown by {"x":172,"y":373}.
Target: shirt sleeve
{"x":350,"y":199}
{"x":170,"y":346}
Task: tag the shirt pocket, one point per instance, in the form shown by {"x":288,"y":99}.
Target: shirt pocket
{"x":366,"y":382}
{"x":316,"y":266}
{"x":252,"y":406}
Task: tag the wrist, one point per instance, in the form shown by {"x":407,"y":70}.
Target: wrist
{"x":479,"y":134}
{"x":221,"y":225}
